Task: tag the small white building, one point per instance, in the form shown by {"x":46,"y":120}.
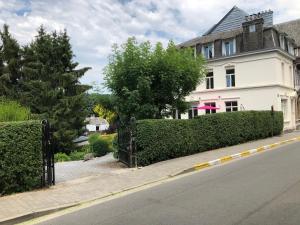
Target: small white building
{"x":96,"y":124}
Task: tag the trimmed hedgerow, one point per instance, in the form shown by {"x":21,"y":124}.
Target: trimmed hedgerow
{"x":20,"y":156}
{"x":159,"y":140}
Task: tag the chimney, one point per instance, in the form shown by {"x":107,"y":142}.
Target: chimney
{"x":268,"y":18}
{"x":253,"y":32}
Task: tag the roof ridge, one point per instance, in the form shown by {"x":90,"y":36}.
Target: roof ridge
{"x":294,"y":20}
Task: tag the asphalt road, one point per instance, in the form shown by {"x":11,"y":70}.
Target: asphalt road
{"x":262,"y":189}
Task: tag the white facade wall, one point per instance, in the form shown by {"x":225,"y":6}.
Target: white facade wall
{"x":92,"y":128}
{"x":262,"y":80}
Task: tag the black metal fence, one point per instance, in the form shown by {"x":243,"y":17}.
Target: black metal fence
{"x":126,"y":142}
{"x":48,"y":177}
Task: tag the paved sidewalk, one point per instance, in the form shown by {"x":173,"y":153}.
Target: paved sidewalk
{"x":97,"y":186}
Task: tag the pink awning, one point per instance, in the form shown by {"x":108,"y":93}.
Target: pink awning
{"x":206,"y":107}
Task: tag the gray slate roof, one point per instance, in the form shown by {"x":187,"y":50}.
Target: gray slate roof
{"x":211,"y":37}
{"x":231,"y":21}
{"x":291,"y":28}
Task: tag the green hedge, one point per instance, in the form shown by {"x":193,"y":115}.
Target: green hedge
{"x":20,"y":156}
{"x":159,"y":140}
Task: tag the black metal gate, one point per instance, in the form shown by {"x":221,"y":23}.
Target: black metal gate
{"x":48,"y":177}
{"x":126,"y":142}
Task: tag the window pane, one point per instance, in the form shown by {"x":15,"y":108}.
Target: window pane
{"x":228,"y":81}
{"x":234,"y":103}
{"x":210,"y":74}
{"x":233,"y":80}
{"x":234,"y":109}
{"x":207,"y":83}
{"x":213,"y":104}
{"x":231,"y":71}
{"x":228,"y":109}
{"x":195,"y":112}
{"x":207,"y":111}
{"x":252,"y":28}
{"x":231,"y":47}
{"x":190,"y":114}
{"x":206,"y":52}
{"x":212,"y":83}
{"x":213,"y":111}
{"x":227,"y":48}
{"x":227,"y":104}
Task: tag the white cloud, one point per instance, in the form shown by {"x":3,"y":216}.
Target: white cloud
{"x":94,"y":25}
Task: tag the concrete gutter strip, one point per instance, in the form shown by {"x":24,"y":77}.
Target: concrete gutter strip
{"x":239,"y":155}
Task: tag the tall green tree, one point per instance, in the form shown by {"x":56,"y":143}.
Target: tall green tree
{"x":10,"y":64}
{"x":51,"y":87}
{"x":150,"y":82}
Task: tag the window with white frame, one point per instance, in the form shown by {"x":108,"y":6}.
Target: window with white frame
{"x":291,"y":48}
{"x":252,"y":28}
{"x":228,"y":47}
{"x":282,"y":41}
{"x":208,"y":50}
{"x":230,"y":78}
{"x":231,"y":106}
{"x":211,"y":104}
{"x":284,"y":108}
{"x":209,"y":80}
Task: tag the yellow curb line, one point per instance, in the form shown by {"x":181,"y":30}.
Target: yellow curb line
{"x":242,"y":154}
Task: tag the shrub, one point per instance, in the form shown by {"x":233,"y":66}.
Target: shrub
{"x":12,"y":111}
{"x":159,"y":140}
{"x":20,"y":156}
{"x":93,"y":137}
{"x":61,"y":157}
{"x":109,"y":138}
{"x":101,"y":144}
{"x":99,"y":147}
{"x":77,"y":155}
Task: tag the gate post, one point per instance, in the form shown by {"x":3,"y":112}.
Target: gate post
{"x":48,"y":177}
{"x":132,"y":144}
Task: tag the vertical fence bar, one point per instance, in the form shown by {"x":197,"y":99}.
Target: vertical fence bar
{"x":48,"y":177}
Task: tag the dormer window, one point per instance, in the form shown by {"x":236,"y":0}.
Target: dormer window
{"x":282,"y":41}
{"x":228,"y":47}
{"x":208,"y":50}
{"x":291,"y":48}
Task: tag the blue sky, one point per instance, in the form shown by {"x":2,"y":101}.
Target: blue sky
{"x":94,"y":25}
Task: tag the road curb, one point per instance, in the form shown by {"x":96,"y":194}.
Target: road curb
{"x":193,"y":168}
{"x":242,"y":154}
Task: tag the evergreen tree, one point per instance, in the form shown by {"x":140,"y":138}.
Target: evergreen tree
{"x":10,"y":64}
{"x":51,"y":86}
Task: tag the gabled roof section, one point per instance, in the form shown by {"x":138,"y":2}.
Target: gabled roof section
{"x":231,"y":21}
{"x":291,"y":28}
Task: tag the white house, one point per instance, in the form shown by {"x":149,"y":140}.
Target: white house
{"x":96,"y":124}
{"x":250,"y":66}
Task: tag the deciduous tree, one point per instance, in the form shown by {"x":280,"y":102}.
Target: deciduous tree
{"x":150,"y":82}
